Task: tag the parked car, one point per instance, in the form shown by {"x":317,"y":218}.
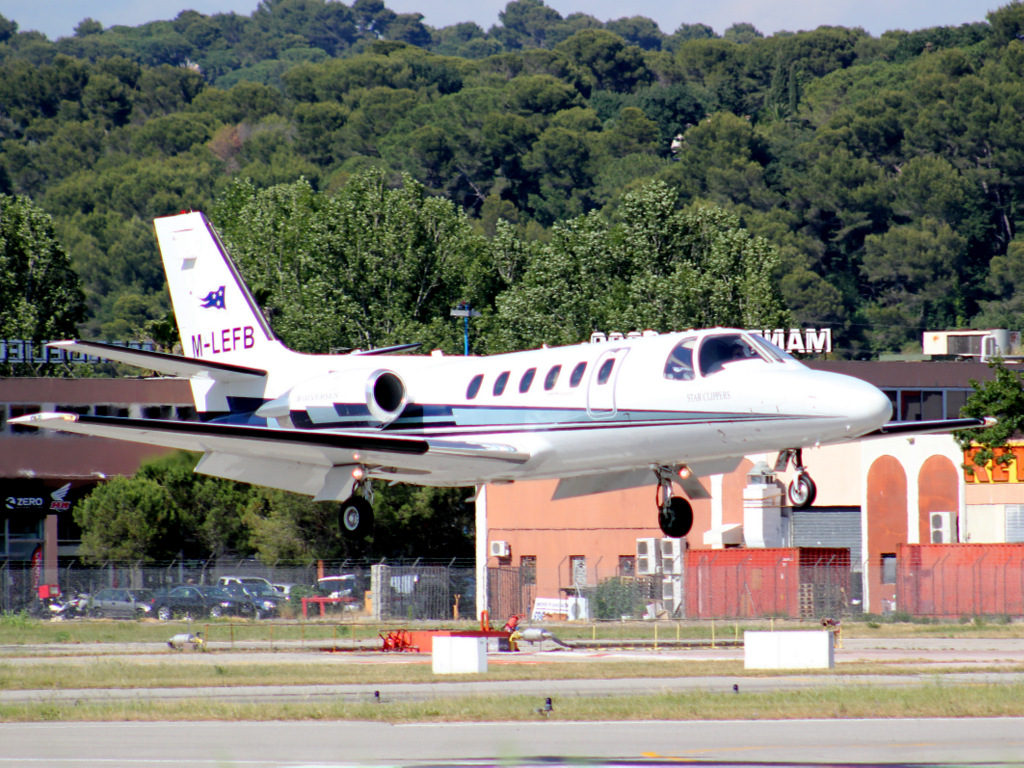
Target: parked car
{"x":284,"y":590}
{"x":223,"y":581}
{"x":344,"y":587}
{"x":121,"y":603}
{"x":197,"y":602}
{"x":266,"y":599}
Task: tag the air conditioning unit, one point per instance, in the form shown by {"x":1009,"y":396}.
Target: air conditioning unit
{"x":943,"y":527}
{"x":648,"y":557}
{"x":500,"y":549}
{"x":672,"y":555}
{"x":672,"y":594}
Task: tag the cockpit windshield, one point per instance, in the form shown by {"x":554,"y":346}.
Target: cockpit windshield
{"x":773,"y":349}
{"x":718,"y":352}
{"x":679,"y":366}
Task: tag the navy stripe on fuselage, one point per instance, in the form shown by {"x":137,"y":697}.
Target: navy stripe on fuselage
{"x":444,"y":419}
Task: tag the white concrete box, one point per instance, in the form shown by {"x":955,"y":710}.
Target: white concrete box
{"x":812,"y":649}
{"x":459,"y":655}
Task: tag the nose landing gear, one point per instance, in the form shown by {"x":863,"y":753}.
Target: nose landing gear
{"x":675,"y":515}
{"x":802,"y":491}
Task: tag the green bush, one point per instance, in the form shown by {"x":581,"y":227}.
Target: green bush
{"x":614,"y":598}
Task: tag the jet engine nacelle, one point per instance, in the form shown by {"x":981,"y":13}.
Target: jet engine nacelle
{"x":384,"y":393}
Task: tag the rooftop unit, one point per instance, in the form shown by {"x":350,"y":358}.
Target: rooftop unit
{"x":982,"y":344}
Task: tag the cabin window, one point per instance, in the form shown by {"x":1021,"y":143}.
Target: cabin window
{"x":527,"y":380}
{"x":679,"y":366}
{"x":717,"y":352}
{"x":605,"y":371}
{"x":552,"y":377}
{"x":500,"y":382}
{"x":474,"y":386}
{"x":577,"y":374}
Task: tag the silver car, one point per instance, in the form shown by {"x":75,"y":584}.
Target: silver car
{"x":121,"y":603}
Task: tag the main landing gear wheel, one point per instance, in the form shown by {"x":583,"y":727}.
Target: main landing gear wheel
{"x":356,"y":518}
{"x":802,"y":491}
{"x":676,"y":519}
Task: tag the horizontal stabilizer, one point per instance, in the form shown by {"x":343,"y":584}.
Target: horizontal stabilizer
{"x":174,"y":365}
{"x":389,"y":350}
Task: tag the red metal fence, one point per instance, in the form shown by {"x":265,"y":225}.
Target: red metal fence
{"x":757,"y":583}
{"x":952,"y":581}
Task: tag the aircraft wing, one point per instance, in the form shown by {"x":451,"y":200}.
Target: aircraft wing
{"x":401,"y":455}
{"x":936,"y":426}
{"x":175,"y":365}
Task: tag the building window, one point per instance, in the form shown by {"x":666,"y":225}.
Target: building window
{"x":1014,"y":523}
{"x":528,"y":569}
{"x":112,"y":410}
{"x":24,"y":410}
{"x":955,"y":400}
{"x":910,"y":405}
{"x":889,"y":568}
{"x":627,"y":565}
{"x":931,"y":405}
{"x":578,"y":570}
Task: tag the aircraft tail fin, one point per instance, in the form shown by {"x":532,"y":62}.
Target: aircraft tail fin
{"x":218,"y":320}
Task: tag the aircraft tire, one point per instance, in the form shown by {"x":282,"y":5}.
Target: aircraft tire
{"x":802,"y":491}
{"x":356,"y":518}
{"x":677,"y":520}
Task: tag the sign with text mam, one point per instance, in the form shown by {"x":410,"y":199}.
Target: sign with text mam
{"x":801,"y":341}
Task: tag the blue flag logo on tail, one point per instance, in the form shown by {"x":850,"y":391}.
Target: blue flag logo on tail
{"x":214,"y":299}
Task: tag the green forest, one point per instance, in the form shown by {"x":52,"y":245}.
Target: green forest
{"x":883,"y":174}
{"x":560,"y":175}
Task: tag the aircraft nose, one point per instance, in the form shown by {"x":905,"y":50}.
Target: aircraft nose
{"x":867,"y":405}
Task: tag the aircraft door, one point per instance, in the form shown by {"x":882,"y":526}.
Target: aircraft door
{"x":601,"y":385}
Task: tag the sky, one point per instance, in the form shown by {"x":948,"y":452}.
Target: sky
{"x":58,"y":18}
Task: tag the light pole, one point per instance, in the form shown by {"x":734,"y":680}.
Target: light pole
{"x":465,"y":312}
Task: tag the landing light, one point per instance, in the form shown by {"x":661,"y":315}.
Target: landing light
{"x":358,"y":473}
{"x":684,"y":472}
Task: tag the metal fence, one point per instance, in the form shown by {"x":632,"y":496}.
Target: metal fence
{"x":941,"y":585}
{"x":948,"y":589}
{"x":404,"y":590}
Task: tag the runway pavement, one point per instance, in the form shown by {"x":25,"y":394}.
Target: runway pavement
{"x":973,"y":742}
{"x":981,"y":741}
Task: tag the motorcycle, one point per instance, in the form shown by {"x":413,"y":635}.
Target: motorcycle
{"x":67,"y":608}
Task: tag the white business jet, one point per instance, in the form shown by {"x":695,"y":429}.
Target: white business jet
{"x":660,"y":409}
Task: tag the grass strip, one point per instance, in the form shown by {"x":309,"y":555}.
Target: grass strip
{"x":210,"y":672}
{"x":19,"y":630}
{"x":927,"y":700}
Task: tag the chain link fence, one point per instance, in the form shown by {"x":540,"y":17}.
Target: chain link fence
{"x":712,"y":585}
{"x":415,"y":590}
